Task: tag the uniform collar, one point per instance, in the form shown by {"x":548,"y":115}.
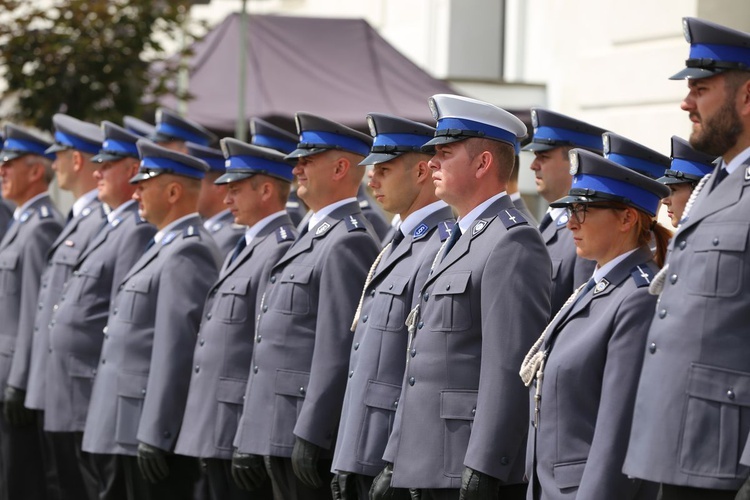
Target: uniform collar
{"x":211,"y":220}
{"x":601,"y":272}
{"x":115,"y":213}
{"x":256,"y":228}
{"x":160,"y":235}
{"x":466,"y":221}
{"x":19,"y":210}
{"x":737,"y":161}
{"x":84,"y":201}
{"x":321,"y":214}
{"x":412,"y":221}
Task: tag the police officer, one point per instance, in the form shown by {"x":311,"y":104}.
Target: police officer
{"x":402,"y":184}
{"x":173,"y":131}
{"x":554,"y":135}
{"x":298,"y":377}
{"x":258,"y":181}
{"x":26,"y":172}
{"x":80,"y":316}
{"x":137,"y":126}
{"x":690,"y":425}
{"x":138,"y":396}
{"x":634,"y":156}
{"x":461,"y":418}
{"x":269,"y":135}
{"x":6,"y":209}
{"x":688,"y":167}
{"x":585,"y":365}
{"x":217,"y":219}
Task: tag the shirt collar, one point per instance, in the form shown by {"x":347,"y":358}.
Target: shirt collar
{"x":321,"y":214}
{"x":737,"y":161}
{"x":160,"y":235}
{"x":256,"y":228}
{"x":466,"y":221}
{"x":115,"y":213}
{"x":19,"y":210}
{"x":601,"y":272}
{"x":83,"y":202}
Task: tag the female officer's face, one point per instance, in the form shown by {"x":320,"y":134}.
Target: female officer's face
{"x":597,"y":231}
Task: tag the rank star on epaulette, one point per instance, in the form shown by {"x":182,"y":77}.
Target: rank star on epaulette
{"x":353,"y":223}
{"x":478,"y":227}
{"x":444,"y":230}
{"x":420,"y":231}
{"x":322,"y":229}
{"x":283,"y":234}
{"x":44,"y":211}
{"x":747,"y":173}
{"x":601,"y":286}
{"x":642,"y":276}
{"x":190,"y":231}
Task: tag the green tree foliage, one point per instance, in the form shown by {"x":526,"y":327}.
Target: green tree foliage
{"x":87,"y":58}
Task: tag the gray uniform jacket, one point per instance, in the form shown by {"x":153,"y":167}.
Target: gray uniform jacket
{"x":77,"y":334}
{"x":225,"y":345}
{"x":588,"y":390}
{"x":225,"y":232}
{"x":524,"y":209}
{"x":377,"y":360}
{"x":6,"y":217}
{"x":372,"y":213}
{"x":23,"y":256}
{"x":143,"y":375}
{"x":568,"y":270}
{"x":462,"y":402}
{"x":691,"y":423}
{"x":61,"y":259}
{"x":298,"y":376}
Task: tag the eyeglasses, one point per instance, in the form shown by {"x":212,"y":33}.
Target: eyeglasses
{"x":579,"y":211}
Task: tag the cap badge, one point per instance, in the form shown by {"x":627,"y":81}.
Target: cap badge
{"x":573,"y":156}
{"x":747,"y":173}
{"x":562,"y":220}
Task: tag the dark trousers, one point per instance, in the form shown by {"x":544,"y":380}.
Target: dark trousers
{"x":62,"y":446}
{"x":22,"y":474}
{"x":221,"y":486}
{"x":505,"y":492}
{"x":103,"y":475}
{"x":671,"y":492}
{"x":286,"y":486}
{"x":179,"y":484}
{"x":364,"y":483}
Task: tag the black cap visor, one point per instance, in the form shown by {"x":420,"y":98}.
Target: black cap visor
{"x":103,"y":157}
{"x":301,"y":152}
{"x":146,"y":174}
{"x":234,"y":176}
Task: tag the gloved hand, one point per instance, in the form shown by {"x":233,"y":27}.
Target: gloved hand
{"x":152,"y":462}
{"x":476,"y":485}
{"x":248,"y":471}
{"x":343,"y":486}
{"x":15,"y":412}
{"x":381,"y":487}
{"x":305,"y":463}
{"x":744,"y":493}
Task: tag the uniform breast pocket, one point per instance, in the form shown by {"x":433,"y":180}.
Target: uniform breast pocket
{"x":9,"y":279}
{"x":66,"y":256}
{"x":391,"y":304}
{"x":718,"y":260}
{"x":85,"y":279}
{"x":716,"y":421}
{"x":231,"y":302}
{"x":457,"y":409}
{"x":133,"y":303}
{"x":294,"y":290}
{"x":452,"y":302}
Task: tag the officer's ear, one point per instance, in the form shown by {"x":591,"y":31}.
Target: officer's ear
{"x":78,"y":160}
{"x":628,"y":218}
{"x":744,"y":98}
{"x":482,"y":164}
{"x":423,"y":171}
{"x":341,"y":167}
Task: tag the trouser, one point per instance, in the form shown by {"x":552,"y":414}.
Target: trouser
{"x":672,"y":492}
{"x":178,"y":485}
{"x":22,"y":474}
{"x":67,"y":472}
{"x":102,"y":474}
{"x":286,"y":486}
{"x":506,"y":492}
{"x":221,"y":486}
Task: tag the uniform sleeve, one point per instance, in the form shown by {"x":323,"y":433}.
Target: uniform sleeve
{"x":34,"y":262}
{"x":602,"y":476}
{"x":515,"y":305}
{"x":342,"y":277}
{"x":184,"y":282}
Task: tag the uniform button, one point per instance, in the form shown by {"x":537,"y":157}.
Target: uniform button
{"x":167,"y":434}
{"x":351,"y":374}
{"x":143,"y":392}
{"x":291,"y":276}
{"x":104,"y":330}
{"x":93,"y":372}
{"x":504,"y":461}
{"x":106,"y":336}
{"x":208,"y":316}
{"x":730,"y":394}
{"x":662,"y":313}
{"x":356,"y":346}
{"x":255,"y":369}
{"x":412,"y":380}
{"x":413,"y":352}
{"x":390,"y":287}
{"x":395,"y":404}
{"x":39,"y":306}
{"x":265,"y":308}
{"x":36,"y":328}
{"x":473,"y":411}
{"x":197,"y":368}
{"x":426,"y":296}
{"x":52,"y":323}
{"x":673,"y":279}
{"x":202,"y":341}
{"x":652,"y":347}
{"x":62,"y":299}
{"x":364,"y":319}
{"x":257,"y":339}
{"x":44,"y":285}
{"x":448,"y":287}
{"x":119,"y":288}
{"x":114,"y":312}
{"x":273,"y":279}
{"x":715,"y":241}
{"x":55,"y":307}
{"x":104,"y":361}
{"x":683,"y":244}
{"x":372,"y":293}
{"x":420,"y":325}
{"x":302,"y":390}
{"x":49,"y":350}
{"x":232,"y":288}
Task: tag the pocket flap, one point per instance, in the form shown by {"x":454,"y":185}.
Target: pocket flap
{"x":719,"y":384}
{"x":234,"y":286}
{"x":8,"y":260}
{"x":458,"y":405}
{"x":291,"y":383}
{"x":139,"y":284}
{"x":7,"y":345}
{"x":66,"y":255}
{"x":81,"y":368}
{"x":556,"y":264}
{"x":394,"y":285}
{"x":452,"y":283}
{"x":131,"y":385}
{"x":90,"y":268}
{"x":730,"y":237}
{"x":381,"y":395}
{"x":568,"y":475}
{"x":231,"y":390}
{"x":296,"y":274}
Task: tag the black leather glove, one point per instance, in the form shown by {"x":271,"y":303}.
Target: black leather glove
{"x":248,"y":471}
{"x":15,"y":412}
{"x":152,"y":462}
{"x":744,"y":492}
{"x":476,"y":485}
{"x":381,"y":487}
{"x":343,"y":486}
{"x":305,"y":463}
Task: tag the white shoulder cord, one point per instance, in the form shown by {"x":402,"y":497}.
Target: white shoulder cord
{"x":368,"y":280}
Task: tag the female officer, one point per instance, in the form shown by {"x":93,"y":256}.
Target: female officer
{"x":688,"y":167}
{"x":584,"y":368}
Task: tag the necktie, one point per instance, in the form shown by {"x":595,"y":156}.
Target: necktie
{"x":150,"y":243}
{"x":455,"y":235}
{"x":238,"y":248}
{"x":720,"y":176}
{"x":589,"y":285}
{"x":70,"y":216}
{"x":546,"y":221}
{"x":398,"y":237}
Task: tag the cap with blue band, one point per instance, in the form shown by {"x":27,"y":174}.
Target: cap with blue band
{"x":394,"y":136}
{"x":552,"y":130}
{"x":156,"y":160}
{"x":214,"y":158}
{"x":244,"y":160}
{"x":170,"y":126}
{"x":21,"y":141}
{"x":71,"y":133}
{"x":118,"y":143}
{"x":267,"y":135}
{"x":713,"y":49}
{"x":318,"y":134}
{"x":634,"y":156}
{"x":688,"y":165}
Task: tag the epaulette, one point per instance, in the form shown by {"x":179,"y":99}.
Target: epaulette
{"x":642,"y":275}
{"x":285,"y":233}
{"x":191,"y":231}
{"x":292,"y":204}
{"x":44,"y":212}
{"x":354,"y":222}
{"x":512,"y":218}
{"x":444,"y":229}
{"x":364,"y":204}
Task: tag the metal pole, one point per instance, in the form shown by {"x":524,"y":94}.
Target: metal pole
{"x":241,"y":126}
